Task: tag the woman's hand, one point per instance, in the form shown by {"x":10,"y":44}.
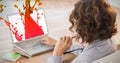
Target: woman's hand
{"x":62,"y":45}
{"x":48,"y":40}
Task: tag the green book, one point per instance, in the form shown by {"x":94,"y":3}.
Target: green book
{"x":11,"y":56}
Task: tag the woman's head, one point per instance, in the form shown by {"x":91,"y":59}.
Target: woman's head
{"x":93,"y":20}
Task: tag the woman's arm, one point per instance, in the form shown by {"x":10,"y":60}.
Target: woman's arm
{"x":57,"y":58}
{"x":62,"y":45}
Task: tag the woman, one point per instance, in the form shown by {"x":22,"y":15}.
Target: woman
{"x":94,"y":23}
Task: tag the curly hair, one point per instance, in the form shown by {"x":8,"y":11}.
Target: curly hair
{"x":93,"y":20}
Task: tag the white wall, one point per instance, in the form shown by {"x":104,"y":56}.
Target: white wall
{"x":115,"y":3}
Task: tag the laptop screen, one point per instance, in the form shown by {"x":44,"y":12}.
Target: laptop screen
{"x":26,"y":26}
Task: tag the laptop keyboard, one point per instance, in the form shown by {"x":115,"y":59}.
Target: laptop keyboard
{"x":27,"y":44}
{"x":36,"y":48}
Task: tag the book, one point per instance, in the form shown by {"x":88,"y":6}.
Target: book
{"x":11,"y":56}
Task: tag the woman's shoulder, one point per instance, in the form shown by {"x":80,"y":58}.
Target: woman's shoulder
{"x":99,"y":49}
{"x":102,"y":43}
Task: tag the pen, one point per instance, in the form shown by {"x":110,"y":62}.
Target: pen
{"x":73,"y":50}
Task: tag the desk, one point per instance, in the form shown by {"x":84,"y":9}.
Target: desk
{"x":42,"y":58}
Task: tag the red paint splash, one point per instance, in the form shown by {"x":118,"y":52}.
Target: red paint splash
{"x":13,"y":29}
{"x":37,"y":16}
{"x":32,"y":28}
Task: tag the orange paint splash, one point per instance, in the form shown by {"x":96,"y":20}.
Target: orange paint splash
{"x":2,"y":8}
{"x":17,"y":8}
{"x":20,"y":13}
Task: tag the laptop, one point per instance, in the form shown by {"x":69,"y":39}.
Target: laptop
{"x":26,"y":32}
